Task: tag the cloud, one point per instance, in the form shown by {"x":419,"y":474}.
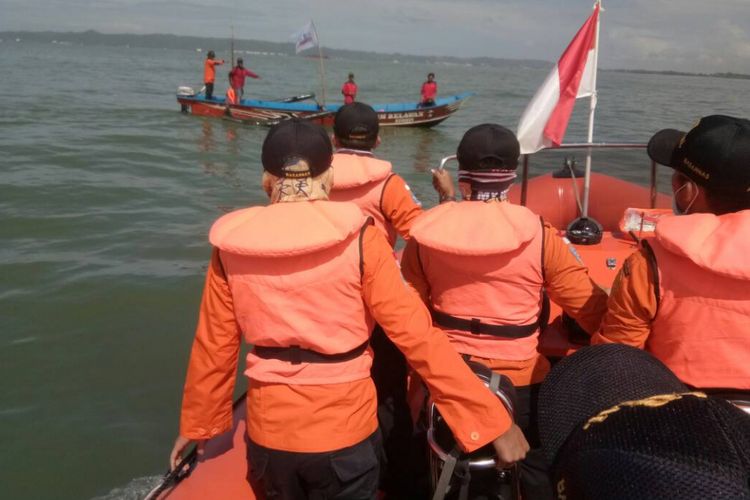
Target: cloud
{"x":689,"y":35}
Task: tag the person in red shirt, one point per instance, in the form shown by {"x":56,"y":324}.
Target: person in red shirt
{"x":237,"y":78}
{"x":429,"y":91}
{"x":209,"y":72}
{"x":349,"y":89}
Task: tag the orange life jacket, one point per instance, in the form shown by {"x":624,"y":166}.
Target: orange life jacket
{"x":231,"y":96}
{"x":361,"y":178}
{"x":483,"y":262}
{"x":294,"y":271}
{"x":702,"y":326}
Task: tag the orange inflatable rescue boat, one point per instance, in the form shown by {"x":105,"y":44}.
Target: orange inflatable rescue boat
{"x":623,"y":210}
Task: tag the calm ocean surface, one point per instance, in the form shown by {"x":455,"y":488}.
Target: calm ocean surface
{"x":107,"y":192}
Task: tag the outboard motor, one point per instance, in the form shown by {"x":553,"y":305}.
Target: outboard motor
{"x":454,"y":474}
{"x":185,"y":91}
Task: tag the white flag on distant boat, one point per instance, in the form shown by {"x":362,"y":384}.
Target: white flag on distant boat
{"x":306,"y":38}
{"x":545,"y":119}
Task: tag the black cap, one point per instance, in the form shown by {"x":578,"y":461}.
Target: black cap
{"x":293,"y":140}
{"x":616,"y":423}
{"x":715,"y":153}
{"x":239,"y":60}
{"x":356,"y":121}
{"x":488,"y":141}
{"x":211,"y":53}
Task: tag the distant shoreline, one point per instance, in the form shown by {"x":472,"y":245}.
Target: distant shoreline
{"x":733,"y":76}
{"x":253,"y":46}
{"x":91,"y":37}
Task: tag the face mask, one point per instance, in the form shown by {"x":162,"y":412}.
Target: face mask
{"x":675,"y":208}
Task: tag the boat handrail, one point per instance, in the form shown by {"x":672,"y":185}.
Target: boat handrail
{"x":590,"y":145}
{"x":599,"y":145}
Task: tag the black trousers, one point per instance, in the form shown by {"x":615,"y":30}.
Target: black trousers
{"x":534,"y":469}
{"x":209,"y":90}
{"x":348,"y":474}
{"x":400,"y":477}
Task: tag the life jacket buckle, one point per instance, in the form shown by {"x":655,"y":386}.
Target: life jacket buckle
{"x":295,"y":355}
{"x":474,"y":326}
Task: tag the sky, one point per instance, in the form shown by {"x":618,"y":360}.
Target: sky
{"x":678,"y":35}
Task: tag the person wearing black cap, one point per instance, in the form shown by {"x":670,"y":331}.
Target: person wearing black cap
{"x":209,"y":72}
{"x":370,"y":182}
{"x":616,"y":423}
{"x":302,"y":280}
{"x":685,"y":296}
{"x":366,"y":180}
{"x":482,"y":267}
{"x":237,"y":78}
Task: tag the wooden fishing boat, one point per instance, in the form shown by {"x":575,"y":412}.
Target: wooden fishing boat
{"x":269,"y":112}
{"x":221,"y":471}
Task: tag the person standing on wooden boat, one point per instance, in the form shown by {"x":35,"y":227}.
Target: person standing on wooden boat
{"x":303,"y":279}
{"x":237,"y":79}
{"x":483,"y":266}
{"x":685,"y":295}
{"x":209,"y":72}
{"x":349,"y":89}
{"x":429,"y":91}
{"x":383,"y":195}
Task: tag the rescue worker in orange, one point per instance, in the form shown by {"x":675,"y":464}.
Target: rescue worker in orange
{"x":482,"y":267}
{"x":209,"y":72}
{"x":349,"y":90}
{"x":303,"y":279}
{"x":370,"y":182}
{"x":366,"y":180}
{"x":685,"y":295}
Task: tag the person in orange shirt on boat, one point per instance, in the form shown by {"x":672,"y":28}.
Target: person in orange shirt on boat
{"x":483,"y":266}
{"x":428,"y":91}
{"x":349,"y":89}
{"x":237,"y":79}
{"x":685,"y":295}
{"x":209,"y":72}
{"x":370,"y":182}
{"x":303,"y":279}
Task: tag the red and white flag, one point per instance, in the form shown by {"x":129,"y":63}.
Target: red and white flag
{"x":306,"y":38}
{"x":545,"y":119}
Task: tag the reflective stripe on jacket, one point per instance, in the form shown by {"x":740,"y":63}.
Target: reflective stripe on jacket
{"x":294,"y":271}
{"x":361,"y":179}
{"x":483,"y":261}
{"x":701,"y":330}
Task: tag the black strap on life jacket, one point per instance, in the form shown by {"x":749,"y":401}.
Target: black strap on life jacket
{"x":476,"y":327}
{"x":295,"y":354}
{"x":653,"y":266}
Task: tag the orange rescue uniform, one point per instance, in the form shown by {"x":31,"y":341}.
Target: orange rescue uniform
{"x":317,"y":418}
{"x":686,"y":299}
{"x":209,"y":70}
{"x":566,"y":282}
{"x":361,"y":178}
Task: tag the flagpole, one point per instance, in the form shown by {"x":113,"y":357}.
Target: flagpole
{"x":231,"y":48}
{"x":592,"y":109}
{"x":321,"y":68}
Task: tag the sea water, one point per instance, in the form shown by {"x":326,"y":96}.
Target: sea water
{"x":107,"y":193}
